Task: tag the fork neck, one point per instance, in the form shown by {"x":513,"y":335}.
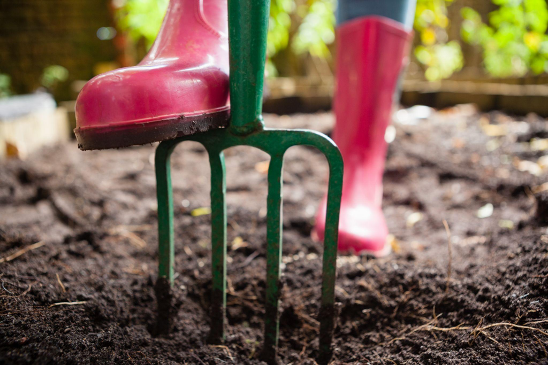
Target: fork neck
{"x":248,"y":23}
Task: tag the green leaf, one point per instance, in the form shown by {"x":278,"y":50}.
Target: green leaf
{"x":514,"y":41}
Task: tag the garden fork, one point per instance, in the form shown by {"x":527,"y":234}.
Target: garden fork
{"x":248,"y":24}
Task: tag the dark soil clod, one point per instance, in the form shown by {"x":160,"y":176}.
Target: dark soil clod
{"x":166,"y":311}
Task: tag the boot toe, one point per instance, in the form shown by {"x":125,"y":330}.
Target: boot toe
{"x":143,"y":94}
{"x":362,"y":229}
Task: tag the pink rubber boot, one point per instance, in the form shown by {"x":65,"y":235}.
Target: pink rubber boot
{"x":181,"y":87}
{"x":371,"y":52}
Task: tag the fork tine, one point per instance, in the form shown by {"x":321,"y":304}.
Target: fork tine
{"x":165,"y":311}
{"x":165,"y":211}
{"x":327,"y":311}
{"x":219,"y":246}
{"x":274,"y":249}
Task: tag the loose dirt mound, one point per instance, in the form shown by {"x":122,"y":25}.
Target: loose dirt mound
{"x":87,"y":294}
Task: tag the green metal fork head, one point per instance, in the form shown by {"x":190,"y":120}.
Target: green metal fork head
{"x":248,"y":20}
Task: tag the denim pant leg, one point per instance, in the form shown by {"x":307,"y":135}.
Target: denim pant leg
{"x":398,"y":10}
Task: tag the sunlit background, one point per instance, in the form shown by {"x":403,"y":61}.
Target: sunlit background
{"x":465,"y":51}
{"x":54,"y":43}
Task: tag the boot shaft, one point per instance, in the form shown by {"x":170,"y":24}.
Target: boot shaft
{"x":370,"y":55}
{"x":192,"y":26}
{"x":371,"y":52}
{"x":212,"y":14}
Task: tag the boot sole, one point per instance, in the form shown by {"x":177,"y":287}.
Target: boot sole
{"x":385,"y":251}
{"x":347,"y":250}
{"x":129,"y":134}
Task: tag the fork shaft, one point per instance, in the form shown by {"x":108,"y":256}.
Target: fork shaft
{"x":219,"y":248}
{"x":248,"y":24}
{"x":274,"y":250}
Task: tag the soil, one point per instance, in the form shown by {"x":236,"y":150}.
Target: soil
{"x":86,"y":293}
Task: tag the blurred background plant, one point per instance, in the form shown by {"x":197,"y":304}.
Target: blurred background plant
{"x":439,"y":56}
{"x":51,"y":77}
{"x":301,"y":27}
{"x":140,"y":19}
{"x":279,"y":30}
{"x":306,"y":26}
{"x":54,"y":75}
{"x":515,"y":40}
{"x":316,"y":29}
{"x":5,"y":86}
{"x":462,"y":40}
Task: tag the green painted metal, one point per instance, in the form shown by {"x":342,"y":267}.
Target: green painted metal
{"x":248,"y":20}
{"x":219,"y":245}
{"x":274,"y":142}
{"x":165,"y":211}
{"x":273,"y":257}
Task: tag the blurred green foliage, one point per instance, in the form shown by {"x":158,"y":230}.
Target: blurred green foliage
{"x":279,"y":25}
{"x":5,"y":86}
{"x":53,"y":75}
{"x":140,"y":19}
{"x":440,"y":57}
{"x":313,"y":21}
{"x":279,"y":30}
{"x":316,"y":29}
{"x":514,"y":41}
